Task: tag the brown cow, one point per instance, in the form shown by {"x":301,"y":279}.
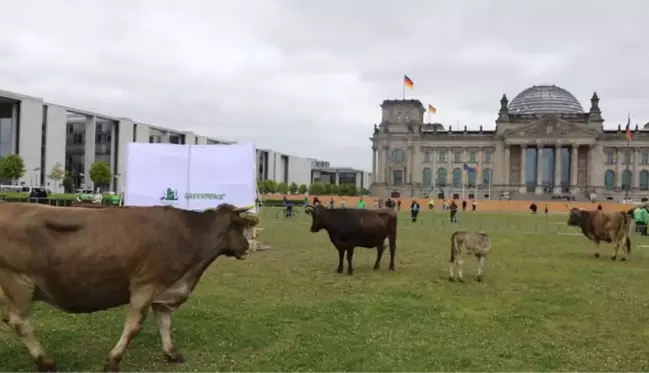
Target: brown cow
{"x":85,"y":260}
{"x":598,"y":226}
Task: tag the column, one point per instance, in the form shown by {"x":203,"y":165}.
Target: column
{"x":618,"y":168}
{"x":635,"y":180}
{"x":539,"y":168}
{"x":89,"y":148}
{"x":411,"y":164}
{"x":590,"y":172}
{"x":574,"y":171}
{"x":385,"y":169}
{"x":557,"y":169}
{"x":523,"y":184}
{"x":374,"y":164}
{"x":507,"y":165}
{"x":479,"y":176}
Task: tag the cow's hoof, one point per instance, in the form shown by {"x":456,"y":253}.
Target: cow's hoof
{"x":461,"y":279}
{"x":451,"y":278}
{"x":614,"y":257}
{"x":339,"y":270}
{"x":376,"y":268}
{"x":45,"y":365}
{"x":479,"y":278}
{"x":111,"y":366}
{"x":596,"y":255}
{"x":391,"y":268}
{"x":174,"y":359}
{"x":623,"y":259}
{"x":350,"y":273}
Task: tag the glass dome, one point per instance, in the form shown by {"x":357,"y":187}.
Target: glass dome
{"x":545,"y":99}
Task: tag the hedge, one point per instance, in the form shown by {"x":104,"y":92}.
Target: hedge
{"x":68,"y":199}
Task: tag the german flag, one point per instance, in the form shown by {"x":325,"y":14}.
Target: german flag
{"x":629,"y":135}
{"x":408,"y":82}
{"x":432,"y":109}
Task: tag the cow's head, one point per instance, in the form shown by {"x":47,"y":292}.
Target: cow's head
{"x":317,"y":216}
{"x":231,"y":222}
{"x":575,"y":217}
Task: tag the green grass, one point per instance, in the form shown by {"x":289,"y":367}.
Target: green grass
{"x":546,"y":305}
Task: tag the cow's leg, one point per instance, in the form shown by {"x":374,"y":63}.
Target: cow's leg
{"x":5,"y":307}
{"x":393,"y":252}
{"x":481,"y":261}
{"x":596,"y":249}
{"x":617,"y":249}
{"x":379,"y":254}
{"x":350,"y":257}
{"x":451,"y":274}
{"x":137,"y":310}
{"x":341,"y":258}
{"x":163,"y":320}
{"x":458,"y":266}
{"x":17,"y":305}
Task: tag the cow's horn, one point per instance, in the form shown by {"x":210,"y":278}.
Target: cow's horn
{"x":244,"y":208}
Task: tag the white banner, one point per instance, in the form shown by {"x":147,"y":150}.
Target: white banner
{"x":190,"y":176}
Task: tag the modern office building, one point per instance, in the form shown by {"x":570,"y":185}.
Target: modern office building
{"x":46,"y":134}
{"x":543,"y":143}
{"x":321,"y":171}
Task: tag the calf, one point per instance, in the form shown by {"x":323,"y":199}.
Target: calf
{"x":468,"y":243}
{"x":348,"y":228}
{"x":598,"y":226}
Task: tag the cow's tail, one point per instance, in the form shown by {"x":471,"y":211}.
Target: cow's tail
{"x":453,"y":247}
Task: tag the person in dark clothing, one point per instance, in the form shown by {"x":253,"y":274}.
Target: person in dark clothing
{"x":546,"y":209}
{"x":331,"y":203}
{"x":389,"y":203}
{"x":414,"y":210}
{"x":316,"y":202}
{"x":463,"y":205}
{"x":474,"y":204}
{"x":533,"y":208}
{"x":599,"y":207}
{"x":453,"y":208}
{"x":398,"y":205}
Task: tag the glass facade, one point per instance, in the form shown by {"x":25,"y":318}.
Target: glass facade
{"x":7,"y":111}
{"x":547,"y":168}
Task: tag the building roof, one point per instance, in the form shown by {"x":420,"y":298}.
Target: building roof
{"x":545,"y":99}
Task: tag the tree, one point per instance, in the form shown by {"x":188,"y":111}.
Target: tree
{"x":261,"y":186}
{"x":365,"y":192}
{"x":302,"y":189}
{"x":334,"y":189}
{"x":270,"y":186}
{"x":282,"y":188}
{"x":100,"y":173}
{"x":327,"y":189}
{"x":316,"y":189}
{"x":12,"y":167}
{"x":293,"y":188}
{"x":57,"y":174}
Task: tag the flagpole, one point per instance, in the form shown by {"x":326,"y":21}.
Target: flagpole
{"x":404,"y":90}
{"x":429,"y":115}
{"x":628,"y":150}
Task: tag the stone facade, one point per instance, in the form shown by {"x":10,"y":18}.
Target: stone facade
{"x":410,"y":156}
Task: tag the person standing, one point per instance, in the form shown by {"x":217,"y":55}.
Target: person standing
{"x":360,"y":204}
{"x":453,"y":208}
{"x":414,"y":210}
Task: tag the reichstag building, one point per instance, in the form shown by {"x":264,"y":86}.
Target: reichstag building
{"x":544,"y":144}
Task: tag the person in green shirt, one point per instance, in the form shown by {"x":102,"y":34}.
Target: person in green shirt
{"x":641,"y":217}
{"x":360,"y":204}
{"x":431,"y":204}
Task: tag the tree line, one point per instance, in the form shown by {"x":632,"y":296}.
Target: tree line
{"x":315,"y":189}
{"x":12,"y":168}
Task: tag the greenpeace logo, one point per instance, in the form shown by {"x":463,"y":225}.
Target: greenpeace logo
{"x":209,"y":196}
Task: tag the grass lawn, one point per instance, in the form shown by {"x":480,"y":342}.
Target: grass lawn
{"x":546,"y":305}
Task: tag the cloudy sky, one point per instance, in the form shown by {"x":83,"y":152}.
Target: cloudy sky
{"x":307,"y":77}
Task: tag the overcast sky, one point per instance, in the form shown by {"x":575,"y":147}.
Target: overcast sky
{"x":307,"y":77}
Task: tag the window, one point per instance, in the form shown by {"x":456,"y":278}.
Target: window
{"x":441,"y":155}
{"x":441,"y":177}
{"x":644,"y":180}
{"x":644,"y":159}
{"x":457,"y":178}
{"x":426,"y":156}
{"x":488,"y":153}
{"x":427,"y":176}
{"x":486,"y":176}
{"x":471,"y":178}
{"x":609,"y":179}
{"x":472,"y":156}
{"x":609,"y":157}
{"x":627,"y":180}
{"x":397,"y":177}
{"x":398,"y":116}
{"x":627,"y":157}
{"x":397,"y":155}
{"x":457,"y":156}
{"x":151,"y":140}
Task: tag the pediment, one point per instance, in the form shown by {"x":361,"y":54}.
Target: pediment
{"x":551,"y":126}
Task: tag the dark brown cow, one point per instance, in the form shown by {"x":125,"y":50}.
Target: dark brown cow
{"x":601,"y":226}
{"x":349,"y":228}
{"x":85,"y":260}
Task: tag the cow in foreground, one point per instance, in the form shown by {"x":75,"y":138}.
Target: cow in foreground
{"x":598,"y":225}
{"x":468,"y":244}
{"x":349,"y":228}
{"x":85,"y":260}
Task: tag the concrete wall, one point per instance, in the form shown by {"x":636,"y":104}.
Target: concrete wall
{"x":125,"y":136}
{"x":55,"y":138}
{"x":299,"y":170}
{"x":201,"y":140}
{"x":141,"y":132}
{"x":30,"y":140}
